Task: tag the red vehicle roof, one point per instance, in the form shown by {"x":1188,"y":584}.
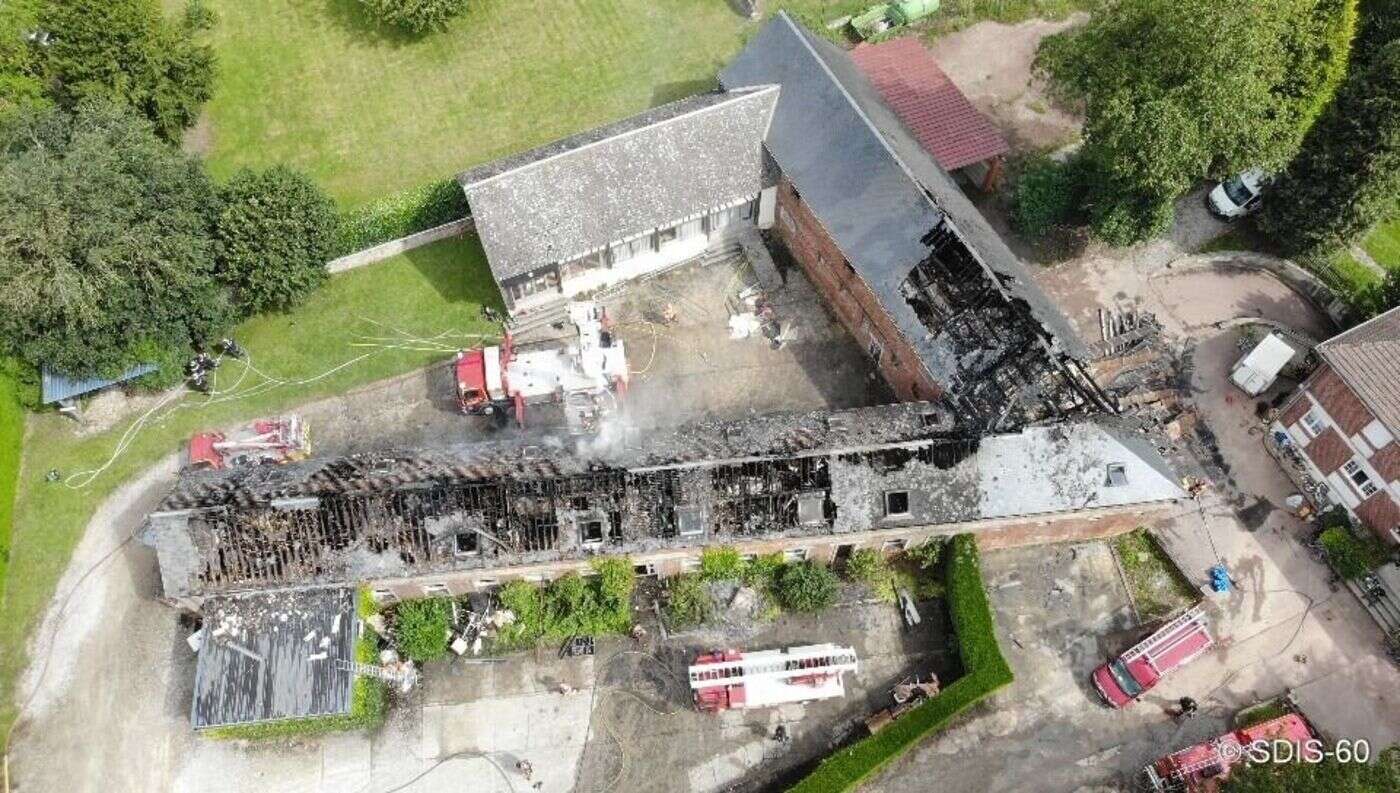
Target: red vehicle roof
{"x":1204,"y":766}
{"x":471,"y":370}
{"x":1168,"y":650}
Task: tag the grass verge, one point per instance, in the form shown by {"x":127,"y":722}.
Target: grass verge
{"x":1383,"y":243}
{"x":433,"y":290}
{"x":1157,"y":587}
{"x":11,"y":441}
{"x":986,"y":672}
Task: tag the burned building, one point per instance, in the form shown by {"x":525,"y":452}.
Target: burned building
{"x":814,"y":485}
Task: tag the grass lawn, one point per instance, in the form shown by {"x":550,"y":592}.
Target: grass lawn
{"x":1383,"y":243}
{"x":1158,"y":589}
{"x":425,"y":292}
{"x":11,"y":439}
{"x":369,"y":111}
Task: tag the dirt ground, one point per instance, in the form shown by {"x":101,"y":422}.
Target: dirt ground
{"x":991,"y":63}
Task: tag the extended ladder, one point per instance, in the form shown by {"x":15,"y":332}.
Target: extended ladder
{"x":402,"y":677}
{"x":823,"y":659}
{"x":1167,"y":637}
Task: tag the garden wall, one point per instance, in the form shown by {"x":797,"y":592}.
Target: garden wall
{"x":392,"y":248}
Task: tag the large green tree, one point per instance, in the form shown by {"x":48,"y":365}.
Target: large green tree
{"x":1348,"y":174}
{"x":273,"y":236}
{"x":129,"y":51}
{"x":1329,"y":776}
{"x":105,"y":251}
{"x":1177,"y":90}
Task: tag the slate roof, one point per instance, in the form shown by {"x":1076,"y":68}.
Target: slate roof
{"x":863,"y":173}
{"x":272,"y":656}
{"x":929,"y":103}
{"x":574,"y":196}
{"x":58,"y":387}
{"x":1367,"y":357}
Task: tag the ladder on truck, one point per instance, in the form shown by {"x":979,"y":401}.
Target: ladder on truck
{"x":794,"y":663}
{"x":1167,"y":637}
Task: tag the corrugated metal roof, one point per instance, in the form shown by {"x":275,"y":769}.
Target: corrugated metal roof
{"x":929,"y":103}
{"x":58,"y":387}
{"x":273,"y":656}
{"x":1367,"y":357}
{"x":574,"y":196}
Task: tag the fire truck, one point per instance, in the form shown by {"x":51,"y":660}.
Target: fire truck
{"x":733,"y":679}
{"x":1175,"y":644}
{"x":1203,"y":767}
{"x":588,"y":375}
{"x":267,"y":441}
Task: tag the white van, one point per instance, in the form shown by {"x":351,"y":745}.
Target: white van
{"x":1237,"y":196}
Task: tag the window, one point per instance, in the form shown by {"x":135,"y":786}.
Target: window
{"x":665,"y":235}
{"x":795,"y":555}
{"x":1313,"y":424}
{"x":897,"y":502}
{"x":690,"y":565}
{"x":592,"y":531}
{"x":384,"y":596}
{"x":894,"y":546}
{"x":484,"y":583}
{"x":436,"y":591}
{"x":467,"y":543}
{"x":1117,"y":475}
{"x":1359,"y":477}
{"x":644,"y":570}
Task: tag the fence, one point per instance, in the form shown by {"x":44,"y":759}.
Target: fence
{"x":391,"y":248}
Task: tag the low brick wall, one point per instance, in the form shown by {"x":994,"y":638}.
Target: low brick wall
{"x":401,"y":245}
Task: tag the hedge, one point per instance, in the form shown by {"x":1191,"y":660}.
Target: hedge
{"x":986,"y":671}
{"x":400,"y":215}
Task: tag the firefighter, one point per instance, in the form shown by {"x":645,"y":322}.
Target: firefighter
{"x":1186,"y":708}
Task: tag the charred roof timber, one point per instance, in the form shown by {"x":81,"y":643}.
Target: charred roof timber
{"x":378,"y":516}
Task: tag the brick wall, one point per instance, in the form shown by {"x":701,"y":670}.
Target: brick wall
{"x":849,"y":297}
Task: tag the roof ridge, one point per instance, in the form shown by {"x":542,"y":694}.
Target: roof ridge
{"x":1342,"y":338}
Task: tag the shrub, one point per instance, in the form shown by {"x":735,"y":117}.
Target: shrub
{"x":616,"y":581}
{"x":400,"y":215}
{"x":806,"y":587}
{"x":1048,"y":194}
{"x":986,"y":671}
{"x":570,"y":606}
{"x":1352,"y":557}
{"x":421,"y":627}
{"x":272,"y":237}
{"x":721,"y":563}
{"x":688,"y":601}
{"x":927,"y":554}
{"x":763,"y":573}
{"x":869,"y":567}
{"x":415,"y":16}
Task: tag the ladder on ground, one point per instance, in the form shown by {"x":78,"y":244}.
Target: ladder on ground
{"x":1167,"y":637}
{"x":799,"y":662}
{"x":370,"y":670}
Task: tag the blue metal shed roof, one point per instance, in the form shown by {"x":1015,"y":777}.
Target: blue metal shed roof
{"x":58,"y":387}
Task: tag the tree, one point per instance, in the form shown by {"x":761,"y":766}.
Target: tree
{"x":1348,"y":175}
{"x":806,"y":586}
{"x":421,"y":628}
{"x":1176,"y":90}
{"x":272,"y":237}
{"x":105,"y":253}
{"x":1328,"y":776}
{"x":128,"y":51}
{"x":415,"y":16}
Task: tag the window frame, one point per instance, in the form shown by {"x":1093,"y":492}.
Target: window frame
{"x":1308,"y":429}
{"x":908,"y":504}
{"x":437,"y":590}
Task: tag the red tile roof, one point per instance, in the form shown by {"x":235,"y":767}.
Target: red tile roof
{"x":1328,"y":451}
{"x":930,"y":105}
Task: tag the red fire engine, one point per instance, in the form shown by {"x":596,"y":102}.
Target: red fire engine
{"x":726,"y":679}
{"x":278,"y":440}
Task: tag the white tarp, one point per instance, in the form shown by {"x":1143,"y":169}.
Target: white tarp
{"x":1256,"y":371}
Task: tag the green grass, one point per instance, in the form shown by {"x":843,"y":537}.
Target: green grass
{"x":11,"y":441}
{"x":1345,"y":273}
{"x":986,"y":671}
{"x":1262,"y":712}
{"x":428,"y":291}
{"x":1383,"y":243}
{"x":1157,"y":587}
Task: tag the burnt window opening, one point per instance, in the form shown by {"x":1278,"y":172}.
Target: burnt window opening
{"x":1117,"y":475}
{"x":468,"y":543}
{"x":592,"y":531}
{"x":897,"y":503}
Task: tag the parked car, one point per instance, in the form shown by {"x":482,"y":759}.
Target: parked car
{"x":1172,"y":646}
{"x":1237,"y":196}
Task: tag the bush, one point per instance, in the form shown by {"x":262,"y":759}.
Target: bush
{"x":806,"y":587}
{"x":400,"y":215}
{"x":869,"y":567}
{"x":986,"y":671}
{"x":421,"y":627}
{"x":1352,"y":557}
{"x":1048,"y":194}
{"x":927,"y":554}
{"x":415,"y":16}
{"x":721,"y":563}
{"x":570,"y":606}
{"x":688,"y":601}
{"x":272,"y":237}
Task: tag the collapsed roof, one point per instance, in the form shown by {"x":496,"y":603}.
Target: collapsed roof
{"x":483,"y":506}
{"x":575,"y":196}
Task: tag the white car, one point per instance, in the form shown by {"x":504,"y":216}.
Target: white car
{"x":1237,"y":196}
